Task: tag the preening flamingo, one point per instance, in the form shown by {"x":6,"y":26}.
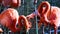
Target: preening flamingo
{"x":9,"y":19}
{"x":48,"y":14}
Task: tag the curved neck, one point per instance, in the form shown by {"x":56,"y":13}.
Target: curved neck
{"x":47,"y":7}
{"x":22,"y":17}
{"x":25,"y":22}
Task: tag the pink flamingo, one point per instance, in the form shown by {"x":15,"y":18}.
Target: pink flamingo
{"x":12,"y":3}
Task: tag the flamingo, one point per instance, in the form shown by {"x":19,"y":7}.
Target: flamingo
{"x":9,"y":19}
{"x":48,"y":15}
{"x":12,"y":3}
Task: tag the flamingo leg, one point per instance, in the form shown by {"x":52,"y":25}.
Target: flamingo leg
{"x":55,"y":30}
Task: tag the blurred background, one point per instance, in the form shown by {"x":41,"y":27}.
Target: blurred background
{"x":26,"y":8}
